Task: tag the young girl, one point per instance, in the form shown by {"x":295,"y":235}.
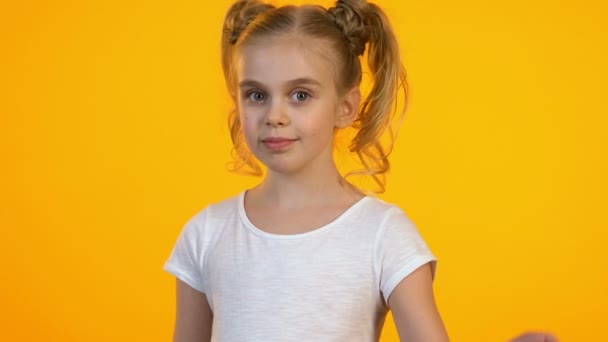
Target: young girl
{"x":305,"y":255}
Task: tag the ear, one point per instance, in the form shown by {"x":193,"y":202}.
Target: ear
{"x":348,"y":108}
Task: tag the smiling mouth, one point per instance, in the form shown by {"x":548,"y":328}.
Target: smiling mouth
{"x":277,"y":144}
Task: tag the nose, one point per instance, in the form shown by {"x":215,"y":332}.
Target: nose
{"x":277,"y":115}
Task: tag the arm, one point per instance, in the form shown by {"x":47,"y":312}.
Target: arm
{"x":193,"y":315}
{"x":414,"y":310}
{"x":535,"y":337}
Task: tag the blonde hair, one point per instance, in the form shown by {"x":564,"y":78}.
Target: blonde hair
{"x":354,"y":29}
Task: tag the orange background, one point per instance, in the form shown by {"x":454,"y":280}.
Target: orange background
{"x":112,"y":135}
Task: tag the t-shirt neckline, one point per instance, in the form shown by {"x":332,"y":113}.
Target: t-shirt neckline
{"x":252,"y":227}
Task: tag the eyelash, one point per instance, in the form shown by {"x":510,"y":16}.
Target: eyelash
{"x":249,"y":94}
{"x":308,"y":95}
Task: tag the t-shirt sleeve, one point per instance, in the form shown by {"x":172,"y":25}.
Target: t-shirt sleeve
{"x":400,"y":250}
{"x":186,"y":259}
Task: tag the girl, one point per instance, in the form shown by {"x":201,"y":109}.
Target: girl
{"x":305,"y":255}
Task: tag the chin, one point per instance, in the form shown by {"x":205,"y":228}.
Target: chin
{"x":282,"y":166}
{"x":282,"y":169}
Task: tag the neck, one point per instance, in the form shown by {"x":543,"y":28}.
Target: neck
{"x":312,"y":188}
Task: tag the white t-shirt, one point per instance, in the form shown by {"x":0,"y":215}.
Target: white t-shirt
{"x":329,"y":284}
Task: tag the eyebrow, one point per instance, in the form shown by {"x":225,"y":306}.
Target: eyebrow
{"x":294,"y":82}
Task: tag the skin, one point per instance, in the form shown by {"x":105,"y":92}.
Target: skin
{"x":194,"y":318}
{"x":286,"y":90}
{"x":535,"y":337}
{"x":414,"y":310}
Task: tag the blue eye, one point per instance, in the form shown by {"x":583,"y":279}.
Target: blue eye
{"x":300,"y":96}
{"x":256,"y":96}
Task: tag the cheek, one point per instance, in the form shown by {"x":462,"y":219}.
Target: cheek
{"x":250,"y":126}
{"x":244,"y":118}
{"x":321,"y":126}
{"x":250,"y":114}
{"x":323,"y":120}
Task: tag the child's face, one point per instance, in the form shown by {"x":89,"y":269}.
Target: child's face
{"x":287,"y":102}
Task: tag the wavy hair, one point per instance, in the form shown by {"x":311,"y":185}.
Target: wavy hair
{"x":356,"y":30}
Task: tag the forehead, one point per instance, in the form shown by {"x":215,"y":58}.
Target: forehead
{"x":277,"y":60}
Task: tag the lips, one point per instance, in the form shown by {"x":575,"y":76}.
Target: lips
{"x":277,"y":143}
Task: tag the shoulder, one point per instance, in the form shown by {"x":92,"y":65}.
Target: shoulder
{"x":384,"y":213}
{"x":399,"y":249}
{"x":209,"y":218}
{"x":379,"y":220}
{"x":217,"y":210}
{"x":395,"y":228}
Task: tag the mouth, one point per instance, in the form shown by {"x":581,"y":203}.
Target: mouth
{"x":277,"y":143}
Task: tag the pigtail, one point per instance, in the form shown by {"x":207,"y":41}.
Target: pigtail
{"x":356,"y":30}
{"x":238,"y":17}
{"x":364,"y":24}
